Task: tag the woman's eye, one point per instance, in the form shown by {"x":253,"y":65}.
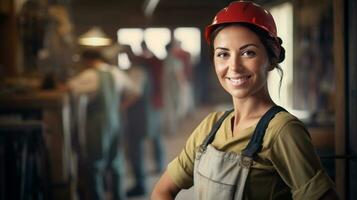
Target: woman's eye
{"x":222,"y":54}
{"x":248,"y":53}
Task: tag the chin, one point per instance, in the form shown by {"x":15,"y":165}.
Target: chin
{"x":239,"y":94}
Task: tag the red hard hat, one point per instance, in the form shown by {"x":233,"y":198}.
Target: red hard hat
{"x":245,"y":12}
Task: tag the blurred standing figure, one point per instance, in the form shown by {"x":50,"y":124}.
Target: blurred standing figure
{"x":140,"y":123}
{"x":173,"y":82}
{"x":136,"y":122}
{"x":155,"y":70}
{"x":104,"y":85}
{"x":186,"y":98}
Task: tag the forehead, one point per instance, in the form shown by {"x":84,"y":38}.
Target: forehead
{"x":236,"y":35}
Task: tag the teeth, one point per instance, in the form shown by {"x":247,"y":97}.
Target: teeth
{"x":238,"y":80}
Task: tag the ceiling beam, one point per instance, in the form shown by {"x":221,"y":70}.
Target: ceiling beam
{"x":150,"y":6}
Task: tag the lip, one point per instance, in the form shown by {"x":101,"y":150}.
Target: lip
{"x":239,"y":80}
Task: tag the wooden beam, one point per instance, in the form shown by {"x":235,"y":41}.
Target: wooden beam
{"x":339,"y":46}
{"x":8,"y":41}
{"x":149,"y":7}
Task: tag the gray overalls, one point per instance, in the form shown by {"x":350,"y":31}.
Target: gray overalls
{"x":222,"y":175}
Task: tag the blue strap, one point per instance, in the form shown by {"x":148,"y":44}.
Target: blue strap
{"x":255,"y":142}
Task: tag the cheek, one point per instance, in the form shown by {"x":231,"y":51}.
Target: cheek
{"x":262,"y":66}
{"x":264,"y":72}
{"x":216,"y":63}
{"x":219,"y":68}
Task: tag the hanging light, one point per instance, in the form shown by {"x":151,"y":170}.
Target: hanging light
{"x":95,"y":37}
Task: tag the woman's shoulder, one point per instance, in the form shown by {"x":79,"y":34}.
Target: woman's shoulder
{"x":285,"y":123}
{"x":283,"y":118}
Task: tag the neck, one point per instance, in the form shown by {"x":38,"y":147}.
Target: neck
{"x":248,"y":111}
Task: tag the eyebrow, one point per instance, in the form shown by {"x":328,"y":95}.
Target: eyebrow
{"x":241,"y":48}
{"x":247,"y":45}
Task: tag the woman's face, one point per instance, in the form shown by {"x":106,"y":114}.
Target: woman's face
{"x":241,"y":61}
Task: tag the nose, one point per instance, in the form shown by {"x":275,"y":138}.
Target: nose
{"x":235,"y":63}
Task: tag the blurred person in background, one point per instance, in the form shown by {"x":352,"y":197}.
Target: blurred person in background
{"x":154,"y":68}
{"x":174,"y":82}
{"x":257,"y":150}
{"x":136,"y":125}
{"x":107,"y":89}
{"x":186,"y":97}
{"x":142,"y":120}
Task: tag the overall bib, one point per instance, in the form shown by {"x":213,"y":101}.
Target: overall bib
{"x":222,"y":175}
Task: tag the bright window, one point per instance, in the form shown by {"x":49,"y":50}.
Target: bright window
{"x":132,"y":37}
{"x":190,"y":39}
{"x":156,"y":40}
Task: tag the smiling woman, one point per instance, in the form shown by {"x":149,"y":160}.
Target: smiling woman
{"x":257,"y":150}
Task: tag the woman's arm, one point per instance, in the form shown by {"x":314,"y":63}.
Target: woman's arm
{"x":294,"y":157}
{"x":165,"y":188}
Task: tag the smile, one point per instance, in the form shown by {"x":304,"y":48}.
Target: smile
{"x":239,"y":80}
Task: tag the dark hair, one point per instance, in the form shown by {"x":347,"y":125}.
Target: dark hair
{"x":268,"y":42}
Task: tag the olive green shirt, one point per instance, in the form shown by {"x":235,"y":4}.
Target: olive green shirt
{"x":287,"y":167}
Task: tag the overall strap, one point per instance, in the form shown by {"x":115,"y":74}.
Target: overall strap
{"x":208,"y":140}
{"x":255,"y":142}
